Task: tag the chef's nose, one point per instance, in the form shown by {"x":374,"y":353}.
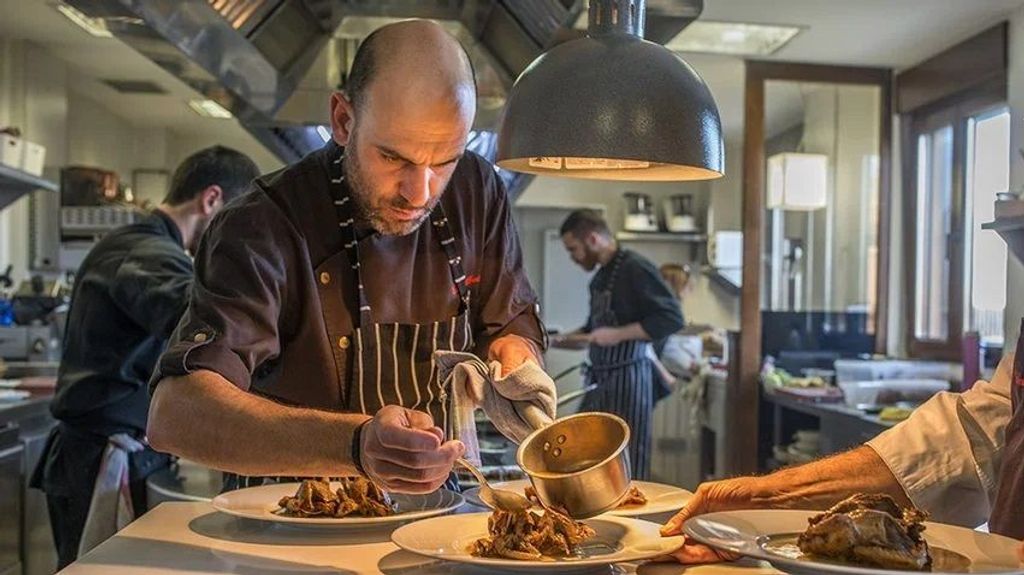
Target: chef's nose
{"x":416,"y":190}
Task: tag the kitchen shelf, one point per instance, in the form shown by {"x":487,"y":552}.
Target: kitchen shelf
{"x":1009,"y":224}
{"x":682,"y":237}
{"x":16,"y":183}
{"x":727,"y":278}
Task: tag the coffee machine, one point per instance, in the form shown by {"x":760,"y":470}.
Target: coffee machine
{"x":679,"y":216}
{"x":639,"y":214}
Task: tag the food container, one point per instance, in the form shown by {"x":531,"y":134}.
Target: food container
{"x":11,"y":151}
{"x":32,"y":157}
{"x":891,"y":391}
{"x":579,"y":463}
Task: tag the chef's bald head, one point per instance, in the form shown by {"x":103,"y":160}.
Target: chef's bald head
{"x":415,"y":61}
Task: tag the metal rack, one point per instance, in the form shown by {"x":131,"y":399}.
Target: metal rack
{"x":15,"y":183}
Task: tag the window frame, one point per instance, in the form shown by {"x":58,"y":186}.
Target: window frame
{"x":955,"y":112}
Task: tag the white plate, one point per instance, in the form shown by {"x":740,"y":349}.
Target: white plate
{"x":661,"y":498}
{"x":260,"y":503}
{"x":14,"y":395}
{"x":750,"y":533}
{"x":618,"y":540}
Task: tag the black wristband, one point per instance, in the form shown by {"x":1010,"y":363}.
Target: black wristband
{"x":357,"y":447}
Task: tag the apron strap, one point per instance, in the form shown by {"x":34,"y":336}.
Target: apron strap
{"x":447,"y":240}
{"x":346,"y":221}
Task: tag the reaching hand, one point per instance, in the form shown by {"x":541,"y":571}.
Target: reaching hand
{"x":606,"y":336}
{"x":402,"y":451}
{"x":716,"y":496}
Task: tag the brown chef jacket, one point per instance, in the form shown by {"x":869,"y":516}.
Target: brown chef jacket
{"x":271,"y":272}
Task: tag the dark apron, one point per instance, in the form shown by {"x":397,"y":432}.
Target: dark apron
{"x":624,"y":378}
{"x":394,"y":362}
{"x":67,"y":472}
{"x":1008,"y":510}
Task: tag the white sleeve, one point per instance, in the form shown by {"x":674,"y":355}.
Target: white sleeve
{"x":947,"y":454}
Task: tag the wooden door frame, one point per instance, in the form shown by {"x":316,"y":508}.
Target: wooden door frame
{"x":745,"y":392}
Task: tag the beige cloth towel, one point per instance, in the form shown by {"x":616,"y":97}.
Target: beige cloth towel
{"x":475,"y":384}
{"x":111,"y":507}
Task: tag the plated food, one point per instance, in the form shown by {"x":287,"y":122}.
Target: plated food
{"x":869,"y":530}
{"x":454,"y":537}
{"x":318,"y":505}
{"x":863,"y":535}
{"x":530,"y":536}
{"x":357,"y":496}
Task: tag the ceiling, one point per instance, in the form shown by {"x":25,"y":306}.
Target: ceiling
{"x":890,"y":33}
{"x":92,"y":59}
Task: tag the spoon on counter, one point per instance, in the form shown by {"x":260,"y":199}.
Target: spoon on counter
{"x":498,"y":499}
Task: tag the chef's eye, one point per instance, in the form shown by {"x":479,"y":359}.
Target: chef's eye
{"x":391,"y":159}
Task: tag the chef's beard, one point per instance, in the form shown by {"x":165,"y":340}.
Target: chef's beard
{"x":372,"y":207}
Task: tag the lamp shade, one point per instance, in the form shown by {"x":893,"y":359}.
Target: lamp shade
{"x":612,"y":106}
{"x":797,"y":182}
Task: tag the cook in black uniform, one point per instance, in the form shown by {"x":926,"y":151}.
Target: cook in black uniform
{"x":129,"y":293}
{"x":322,"y":295}
{"x":630,"y":308}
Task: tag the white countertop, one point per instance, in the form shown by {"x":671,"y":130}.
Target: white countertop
{"x":193,"y":538}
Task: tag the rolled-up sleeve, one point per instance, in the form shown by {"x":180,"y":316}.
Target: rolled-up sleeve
{"x":234,"y":317}
{"x":509,"y":303}
{"x":947,"y":455}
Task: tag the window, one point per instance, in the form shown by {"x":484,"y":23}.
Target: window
{"x":988,"y":173}
{"x":960,"y":160}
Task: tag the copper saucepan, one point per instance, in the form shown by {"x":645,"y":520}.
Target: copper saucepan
{"x":577,"y":463}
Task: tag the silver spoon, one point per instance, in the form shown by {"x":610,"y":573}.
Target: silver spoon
{"x":499,"y":499}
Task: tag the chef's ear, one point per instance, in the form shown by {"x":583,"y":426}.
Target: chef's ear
{"x":342,"y":118}
{"x":211,"y":199}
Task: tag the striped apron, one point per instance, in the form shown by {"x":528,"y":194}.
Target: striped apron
{"x":623,"y":377}
{"x":1008,"y":510}
{"x":394,"y":362}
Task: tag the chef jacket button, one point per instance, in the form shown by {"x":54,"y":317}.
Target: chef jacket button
{"x":343,"y":342}
{"x":199,"y":337}
{"x":325,"y":278}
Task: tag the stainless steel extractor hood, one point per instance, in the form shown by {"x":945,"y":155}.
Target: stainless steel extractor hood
{"x":274,"y":63}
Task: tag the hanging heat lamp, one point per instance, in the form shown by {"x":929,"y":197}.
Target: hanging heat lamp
{"x":612,"y":106}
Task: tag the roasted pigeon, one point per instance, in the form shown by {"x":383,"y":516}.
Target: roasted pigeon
{"x":529,"y":536}
{"x":869,"y":530}
{"x":356,"y":496}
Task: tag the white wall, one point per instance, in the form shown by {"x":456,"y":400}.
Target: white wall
{"x":707,"y":303}
{"x":37,"y":94}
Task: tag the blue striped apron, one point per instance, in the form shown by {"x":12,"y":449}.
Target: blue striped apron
{"x":394,"y":362}
{"x":623,"y":377}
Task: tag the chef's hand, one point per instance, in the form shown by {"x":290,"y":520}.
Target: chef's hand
{"x":574,"y":340}
{"x":1020,"y":553}
{"x":716,"y":496}
{"x":511,"y":351}
{"x":606,"y":336}
{"x":403,"y":451}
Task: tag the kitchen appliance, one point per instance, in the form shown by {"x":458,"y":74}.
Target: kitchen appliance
{"x":639,"y":213}
{"x":578,"y":463}
{"x":679,"y":216}
{"x":29,"y":343}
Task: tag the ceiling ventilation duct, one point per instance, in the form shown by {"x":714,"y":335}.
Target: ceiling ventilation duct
{"x":274,"y":63}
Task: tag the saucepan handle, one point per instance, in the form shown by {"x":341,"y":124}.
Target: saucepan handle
{"x":533,"y":415}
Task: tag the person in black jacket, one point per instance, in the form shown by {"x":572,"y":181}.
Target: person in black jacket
{"x":630,"y":308}
{"x":129,"y":294}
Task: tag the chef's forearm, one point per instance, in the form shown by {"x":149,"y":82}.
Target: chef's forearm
{"x":205,"y":418}
{"x":632,"y":332}
{"x":823,"y":483}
